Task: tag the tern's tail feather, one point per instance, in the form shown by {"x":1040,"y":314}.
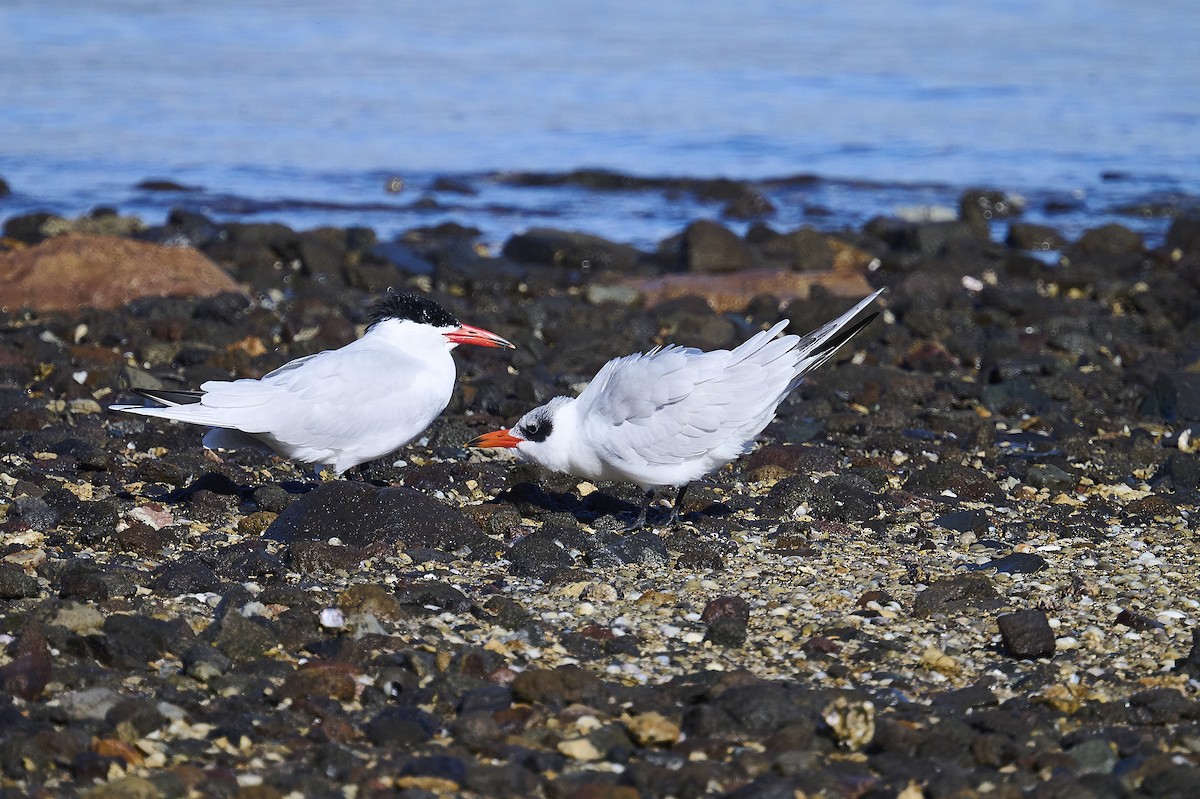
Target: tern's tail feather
{"x":182,"y":406}
{"x":168,"y":397}
{"x":820,"y":345}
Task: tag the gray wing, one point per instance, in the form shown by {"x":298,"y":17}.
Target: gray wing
{"x":673,"y":404}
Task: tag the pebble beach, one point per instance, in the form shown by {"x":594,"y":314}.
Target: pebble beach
{"x":959,"y":564}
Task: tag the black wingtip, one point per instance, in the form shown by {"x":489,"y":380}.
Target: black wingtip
{"x":845,"y":334}
{"x":169,"y":396}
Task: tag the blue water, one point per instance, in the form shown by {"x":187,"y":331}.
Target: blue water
{"x":261,"y":101}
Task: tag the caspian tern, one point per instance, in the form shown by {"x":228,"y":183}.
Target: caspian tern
{"x":674,"y":414}
{"x":342,"y":407}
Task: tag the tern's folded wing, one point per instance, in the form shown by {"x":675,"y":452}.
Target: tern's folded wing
{"x":338,"y":396}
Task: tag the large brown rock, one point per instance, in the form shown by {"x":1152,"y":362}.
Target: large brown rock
{"x":733,"y":292}
{"x":76,"y":270}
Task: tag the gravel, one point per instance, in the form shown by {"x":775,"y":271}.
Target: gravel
{"x":962,"y":562}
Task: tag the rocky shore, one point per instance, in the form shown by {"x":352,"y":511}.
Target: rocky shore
{"x":962,"y":563}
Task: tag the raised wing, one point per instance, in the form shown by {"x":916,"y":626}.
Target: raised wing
{"x":674,"y":404}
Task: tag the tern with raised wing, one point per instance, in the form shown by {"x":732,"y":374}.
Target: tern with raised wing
{"x":675,"y":414}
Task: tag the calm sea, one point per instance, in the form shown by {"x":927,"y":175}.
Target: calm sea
{"x":300,"y":111}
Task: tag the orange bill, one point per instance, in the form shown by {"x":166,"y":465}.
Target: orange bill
{"x":497,"y":439}
{"x":466,"y":334}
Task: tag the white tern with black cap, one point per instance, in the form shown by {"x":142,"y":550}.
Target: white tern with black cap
{"x":342,"y":407}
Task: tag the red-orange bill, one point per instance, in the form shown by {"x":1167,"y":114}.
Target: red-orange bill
{"x":466,"y":334}
{"x":497,"y":439}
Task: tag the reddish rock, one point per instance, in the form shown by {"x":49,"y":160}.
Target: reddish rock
{"x":75,"y":270}
{"x":730,"y":607}
{"x":734,"y":291}
{"x":28,"y":672}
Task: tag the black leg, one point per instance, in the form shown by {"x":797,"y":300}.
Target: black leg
{"x":674,"y":522}
{"x":641,"y":519}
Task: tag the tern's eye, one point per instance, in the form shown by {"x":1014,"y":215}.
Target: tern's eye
{"x":536,"y":430}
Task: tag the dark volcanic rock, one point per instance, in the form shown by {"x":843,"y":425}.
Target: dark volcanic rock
{"x":1015,"y":563}
{"x":1024,"y":236}
{"x":956,"y":482}
{"x":956,"y":594}
{"x":401,"y":726}
{"x":644,"y":546}
{"x":726,"y":607}
{"x":29,"y":670}
{"x":980,"y":206}
{"x":361,"y":515}
{"x":15,"y":583}
{"x":1174,"y":396}
{"x":575,"y":250}
{"x":1184,"y":234}
{"x":726,"y":631}
{"x":962,"y":521}
{"x":541,"y":553}
{"x":1111,"y":239}
{"x":1026,"y":634}
{"x":711,"y":247}
{"x":558,"y":687}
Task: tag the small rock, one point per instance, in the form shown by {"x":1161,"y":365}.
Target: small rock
{"x":980,"y":206}
{"x":568,"y":249}
{"x":1111,"y":239}
{"x":1094,"y":756}
{"x":242,"y":639}
{"x":370,"y":599}
{"x":16,"y":584}
{"x":652,"y":729}
{"x":1174,"y":396}
{"x":751,"y":205}
{"x":710,"y":247}
{"x":1051,"y":478}
{"x":1136,"y":621}
{"x":954,"y":481}
{"x":1014,"y":563}
{"x":557,"y":687}
{"x":401,"y":727}
{"x":1184,"y":469}
{"x":726,"y":631}
{"x":539,"y":555}
{"x":91,"y":704}
{"x":644,"y":547}
{"x":732,"y":607}
{"x":1026,"y":634}
{"x":431,"y":596}
{"x":27,"y":674}
{"x":1184,"y":234}
{"x":580,"y":749}
{"x":1040,"y":238}
{"x":954,"y":594}
{"x":962,"y":521}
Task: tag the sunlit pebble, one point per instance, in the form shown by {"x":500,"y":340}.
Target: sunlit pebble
{"x":332,"y":618}
{"x":971,"y":283}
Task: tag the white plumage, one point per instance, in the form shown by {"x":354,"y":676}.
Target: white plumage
{"x":674,"y":414}
{"x":340,"y":407}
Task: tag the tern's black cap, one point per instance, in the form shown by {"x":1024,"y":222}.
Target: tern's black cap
{"x":412,"y":308}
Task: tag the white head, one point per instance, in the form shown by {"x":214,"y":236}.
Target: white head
{"x":544,"y":435}
{"x":417,"y":318}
